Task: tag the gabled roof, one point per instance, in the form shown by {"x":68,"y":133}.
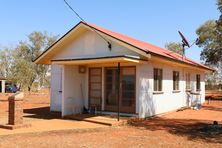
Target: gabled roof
{"x":141,"y":45}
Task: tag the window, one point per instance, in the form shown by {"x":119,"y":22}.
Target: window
{"x":128,"y":86}
{"x":176,"y":78}
{"x":197,"y":82}
{"x":158,"y":76}
{"x":188,"y":81}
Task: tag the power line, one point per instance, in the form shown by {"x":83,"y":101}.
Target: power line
{"x":70,"y":7}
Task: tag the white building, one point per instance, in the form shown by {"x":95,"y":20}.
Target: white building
{"x":84,"y":73}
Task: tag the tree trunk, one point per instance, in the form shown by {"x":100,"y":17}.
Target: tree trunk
{"x":29,"y":89}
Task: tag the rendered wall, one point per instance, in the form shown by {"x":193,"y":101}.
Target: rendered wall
{"x":150,"y":104}
{"x":73,"y":90}
{"x":90,"y":45}
{"x":56,"y":88}
{"x":3,"y":86}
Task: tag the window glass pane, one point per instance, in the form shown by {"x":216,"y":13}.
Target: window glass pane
{"x":94,"y":101}
{"x":96,"y":86}
{"x":111,"y":97}
{"x":198,"y":82}
{"x":95,"y":93}
{"x":111,"y":86}
{"x":95,"y":71}
{"x":187,"y":81}
{"x":129,"y":71}
{"x":95,"y":79}
{"x":176,"y":79}
{"x":128,"y":86}
{"x":157,"y":75}
{"x":155,"y":85}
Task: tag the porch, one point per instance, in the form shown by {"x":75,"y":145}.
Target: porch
{"x":98,"y":85}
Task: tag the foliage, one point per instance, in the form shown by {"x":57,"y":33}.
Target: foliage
{"x":214,"y":79}
{"x":175,"y":47}
{"x":22,"y":69}
{"x":5,"y":62}
{"x":210,"y":39}
{"x":210,"y":42}
{"x":219,"y":4}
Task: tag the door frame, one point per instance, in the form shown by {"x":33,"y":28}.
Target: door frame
{"x":89,"y":87}
{"x":123,"y":109}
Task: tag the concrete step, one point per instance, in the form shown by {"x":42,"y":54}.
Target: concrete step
{"x":104,"y":120}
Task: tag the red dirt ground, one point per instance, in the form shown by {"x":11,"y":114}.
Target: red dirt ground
{"x":176,"y":129}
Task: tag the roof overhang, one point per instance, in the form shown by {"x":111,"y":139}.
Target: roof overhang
{"x":160,"y":59}
{"x":99,"y":60}
{"x":47,"y":55}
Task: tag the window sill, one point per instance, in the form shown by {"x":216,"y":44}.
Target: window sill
{"x":157,"y":92}
{"x":176,"y":91}
{"x":188,"y":90}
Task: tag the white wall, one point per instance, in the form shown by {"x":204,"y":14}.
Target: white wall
{"x":89,"y":44}
{"x":3,"y":86}
{"x":73,"y":90}
{"x":56,"y":88}
{"x":147,"y":103}
{"x":144,"y":102}
{"x":151,"y":104}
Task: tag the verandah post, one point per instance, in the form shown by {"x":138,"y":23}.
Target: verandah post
{"x":118,"y":95}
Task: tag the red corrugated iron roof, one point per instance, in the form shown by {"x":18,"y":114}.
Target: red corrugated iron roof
{"x":147,"y":47}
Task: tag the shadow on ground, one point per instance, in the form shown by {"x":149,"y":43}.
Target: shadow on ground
{"x":192,"y":129}
{"x":41,"y":113}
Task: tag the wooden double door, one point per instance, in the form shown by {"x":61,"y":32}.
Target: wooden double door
{"x":127,"y":89}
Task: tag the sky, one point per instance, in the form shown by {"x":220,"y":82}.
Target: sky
{"x":153,"y":21}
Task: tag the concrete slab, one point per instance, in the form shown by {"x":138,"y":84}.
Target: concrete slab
{"x":99,"y":119}
{"x":53,"y":125}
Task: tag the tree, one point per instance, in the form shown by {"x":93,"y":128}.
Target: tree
{"x":210,"y":42}
{"x":210,"y":39}
{"x":24,"y":71}
{"x":214,"y":81}
{"x":5,"y":62}
{"x":219,"y":4}
{"x":175,"y":47}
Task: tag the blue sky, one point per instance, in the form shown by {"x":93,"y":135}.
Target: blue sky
{"x":153,"y":21}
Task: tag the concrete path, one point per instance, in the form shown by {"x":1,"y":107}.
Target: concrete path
{"x":53,"y":125}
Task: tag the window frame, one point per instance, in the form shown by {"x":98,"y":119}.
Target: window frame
{"x":157,"y":79}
